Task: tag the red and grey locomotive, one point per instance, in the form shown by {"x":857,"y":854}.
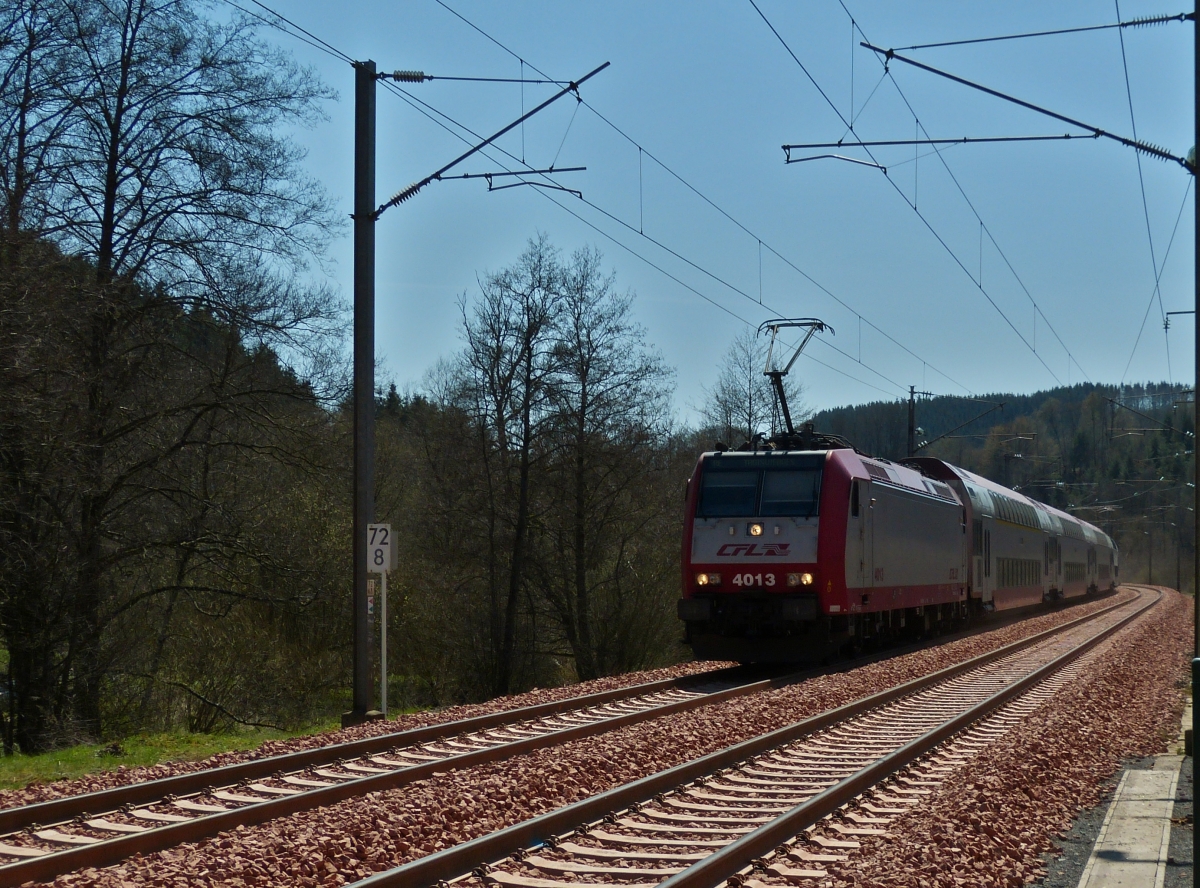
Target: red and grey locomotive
{"x":802,"y":545}
{"x":789,"y":552}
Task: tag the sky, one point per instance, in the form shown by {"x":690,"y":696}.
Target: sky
{"x":979,"y":268}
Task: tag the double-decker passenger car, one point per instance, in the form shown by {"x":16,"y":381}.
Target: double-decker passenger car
{"x":790,"y":554}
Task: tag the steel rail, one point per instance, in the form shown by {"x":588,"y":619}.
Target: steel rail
{"x":68,"y":807}
{"x":109,"y":851}
{"x":717,"y":867}
{"x":459,"y":860}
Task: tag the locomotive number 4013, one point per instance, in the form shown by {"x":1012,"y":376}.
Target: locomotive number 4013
{"x":754,"y":579}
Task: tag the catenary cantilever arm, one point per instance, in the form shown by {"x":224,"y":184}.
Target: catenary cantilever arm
{"x":412,"y":189}
{"x":1137,"y":145}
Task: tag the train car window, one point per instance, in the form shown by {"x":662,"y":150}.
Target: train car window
{"x":728,"y":494}
{"x":791,"y":492}
{"x":977,"y":537}
{"x":854,"y":499}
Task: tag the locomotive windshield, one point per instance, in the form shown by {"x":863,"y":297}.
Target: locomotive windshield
{"x":729,"y":493}
{"x":743,"y":486}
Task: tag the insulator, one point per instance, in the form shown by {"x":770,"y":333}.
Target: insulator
{"x":1153,"y":20}
{"x":410,"y":76}
{"x":1150,"y":148}
{"x":404,"y":194}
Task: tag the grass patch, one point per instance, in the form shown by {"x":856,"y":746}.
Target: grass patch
{"x":18,"y":771}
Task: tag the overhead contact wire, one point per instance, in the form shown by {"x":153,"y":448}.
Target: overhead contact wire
{"x":1150,"y":304}
{"x":416,"y":104}
{"x":429,"y":112}
{"x":920,"y":215}
{"x":715,"y":206}
{"x":983,"y":226}
{"x":772,"y":249}
{"x":1142,"y":184}
{"x":991,"y":238}
{"x":903,"y":196}
{"x":1004,"y":256}
{"x":329,"y":46}
{"x":725,"y":283}
{"x":315,"y":42}
{"x":1136,"y":23}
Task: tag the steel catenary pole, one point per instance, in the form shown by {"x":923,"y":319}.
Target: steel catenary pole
{"x":364,"y":375}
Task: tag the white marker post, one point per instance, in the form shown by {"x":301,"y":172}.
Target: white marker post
{"x":381,"y":557}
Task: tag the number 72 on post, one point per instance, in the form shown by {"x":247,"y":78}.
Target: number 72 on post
{"x":381,"y":550}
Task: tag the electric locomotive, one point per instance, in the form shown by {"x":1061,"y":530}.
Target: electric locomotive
{"x":800,"y":545}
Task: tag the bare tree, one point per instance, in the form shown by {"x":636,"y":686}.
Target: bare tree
{"x":508,"y":368}
{"x":742,"y":403}
{"x":610,"y":396}
{"x":550,"y":533}
{"x":37,"y":80}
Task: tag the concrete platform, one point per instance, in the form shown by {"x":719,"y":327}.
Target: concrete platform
{"x":1132,"y":848}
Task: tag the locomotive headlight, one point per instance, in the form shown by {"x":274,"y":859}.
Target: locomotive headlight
{"x":799,"y":579}
{"x":755,"y":530}
{"x":708,"y":579}
{"x":806,"y":579}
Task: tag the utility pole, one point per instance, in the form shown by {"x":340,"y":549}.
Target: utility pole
{"x":1150,"y":548}
{"x":1196,"y":415}
{"x":366,"y":213}
{"x":364,"y":377}
{"x":912,"y":421}
{"x":1178,"y":561}
{"x":1196,"y":391}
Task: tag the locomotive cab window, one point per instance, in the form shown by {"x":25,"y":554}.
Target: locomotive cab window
{"x":791,"y":492}
{"x":741,"y":487}
{"x":728,"y":494}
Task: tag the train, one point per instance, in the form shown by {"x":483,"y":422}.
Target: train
{"x":796,"y":549}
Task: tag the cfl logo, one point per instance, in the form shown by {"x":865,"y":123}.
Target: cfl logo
{"x":754,"y":550}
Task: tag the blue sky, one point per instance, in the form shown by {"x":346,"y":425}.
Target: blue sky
{"x":708,"y":90}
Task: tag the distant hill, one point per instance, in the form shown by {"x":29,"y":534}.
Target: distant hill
{"x":881,"y":427}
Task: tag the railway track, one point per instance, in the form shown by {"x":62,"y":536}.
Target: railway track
{"x":47,"y":839}
{"x":777,"y":808}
